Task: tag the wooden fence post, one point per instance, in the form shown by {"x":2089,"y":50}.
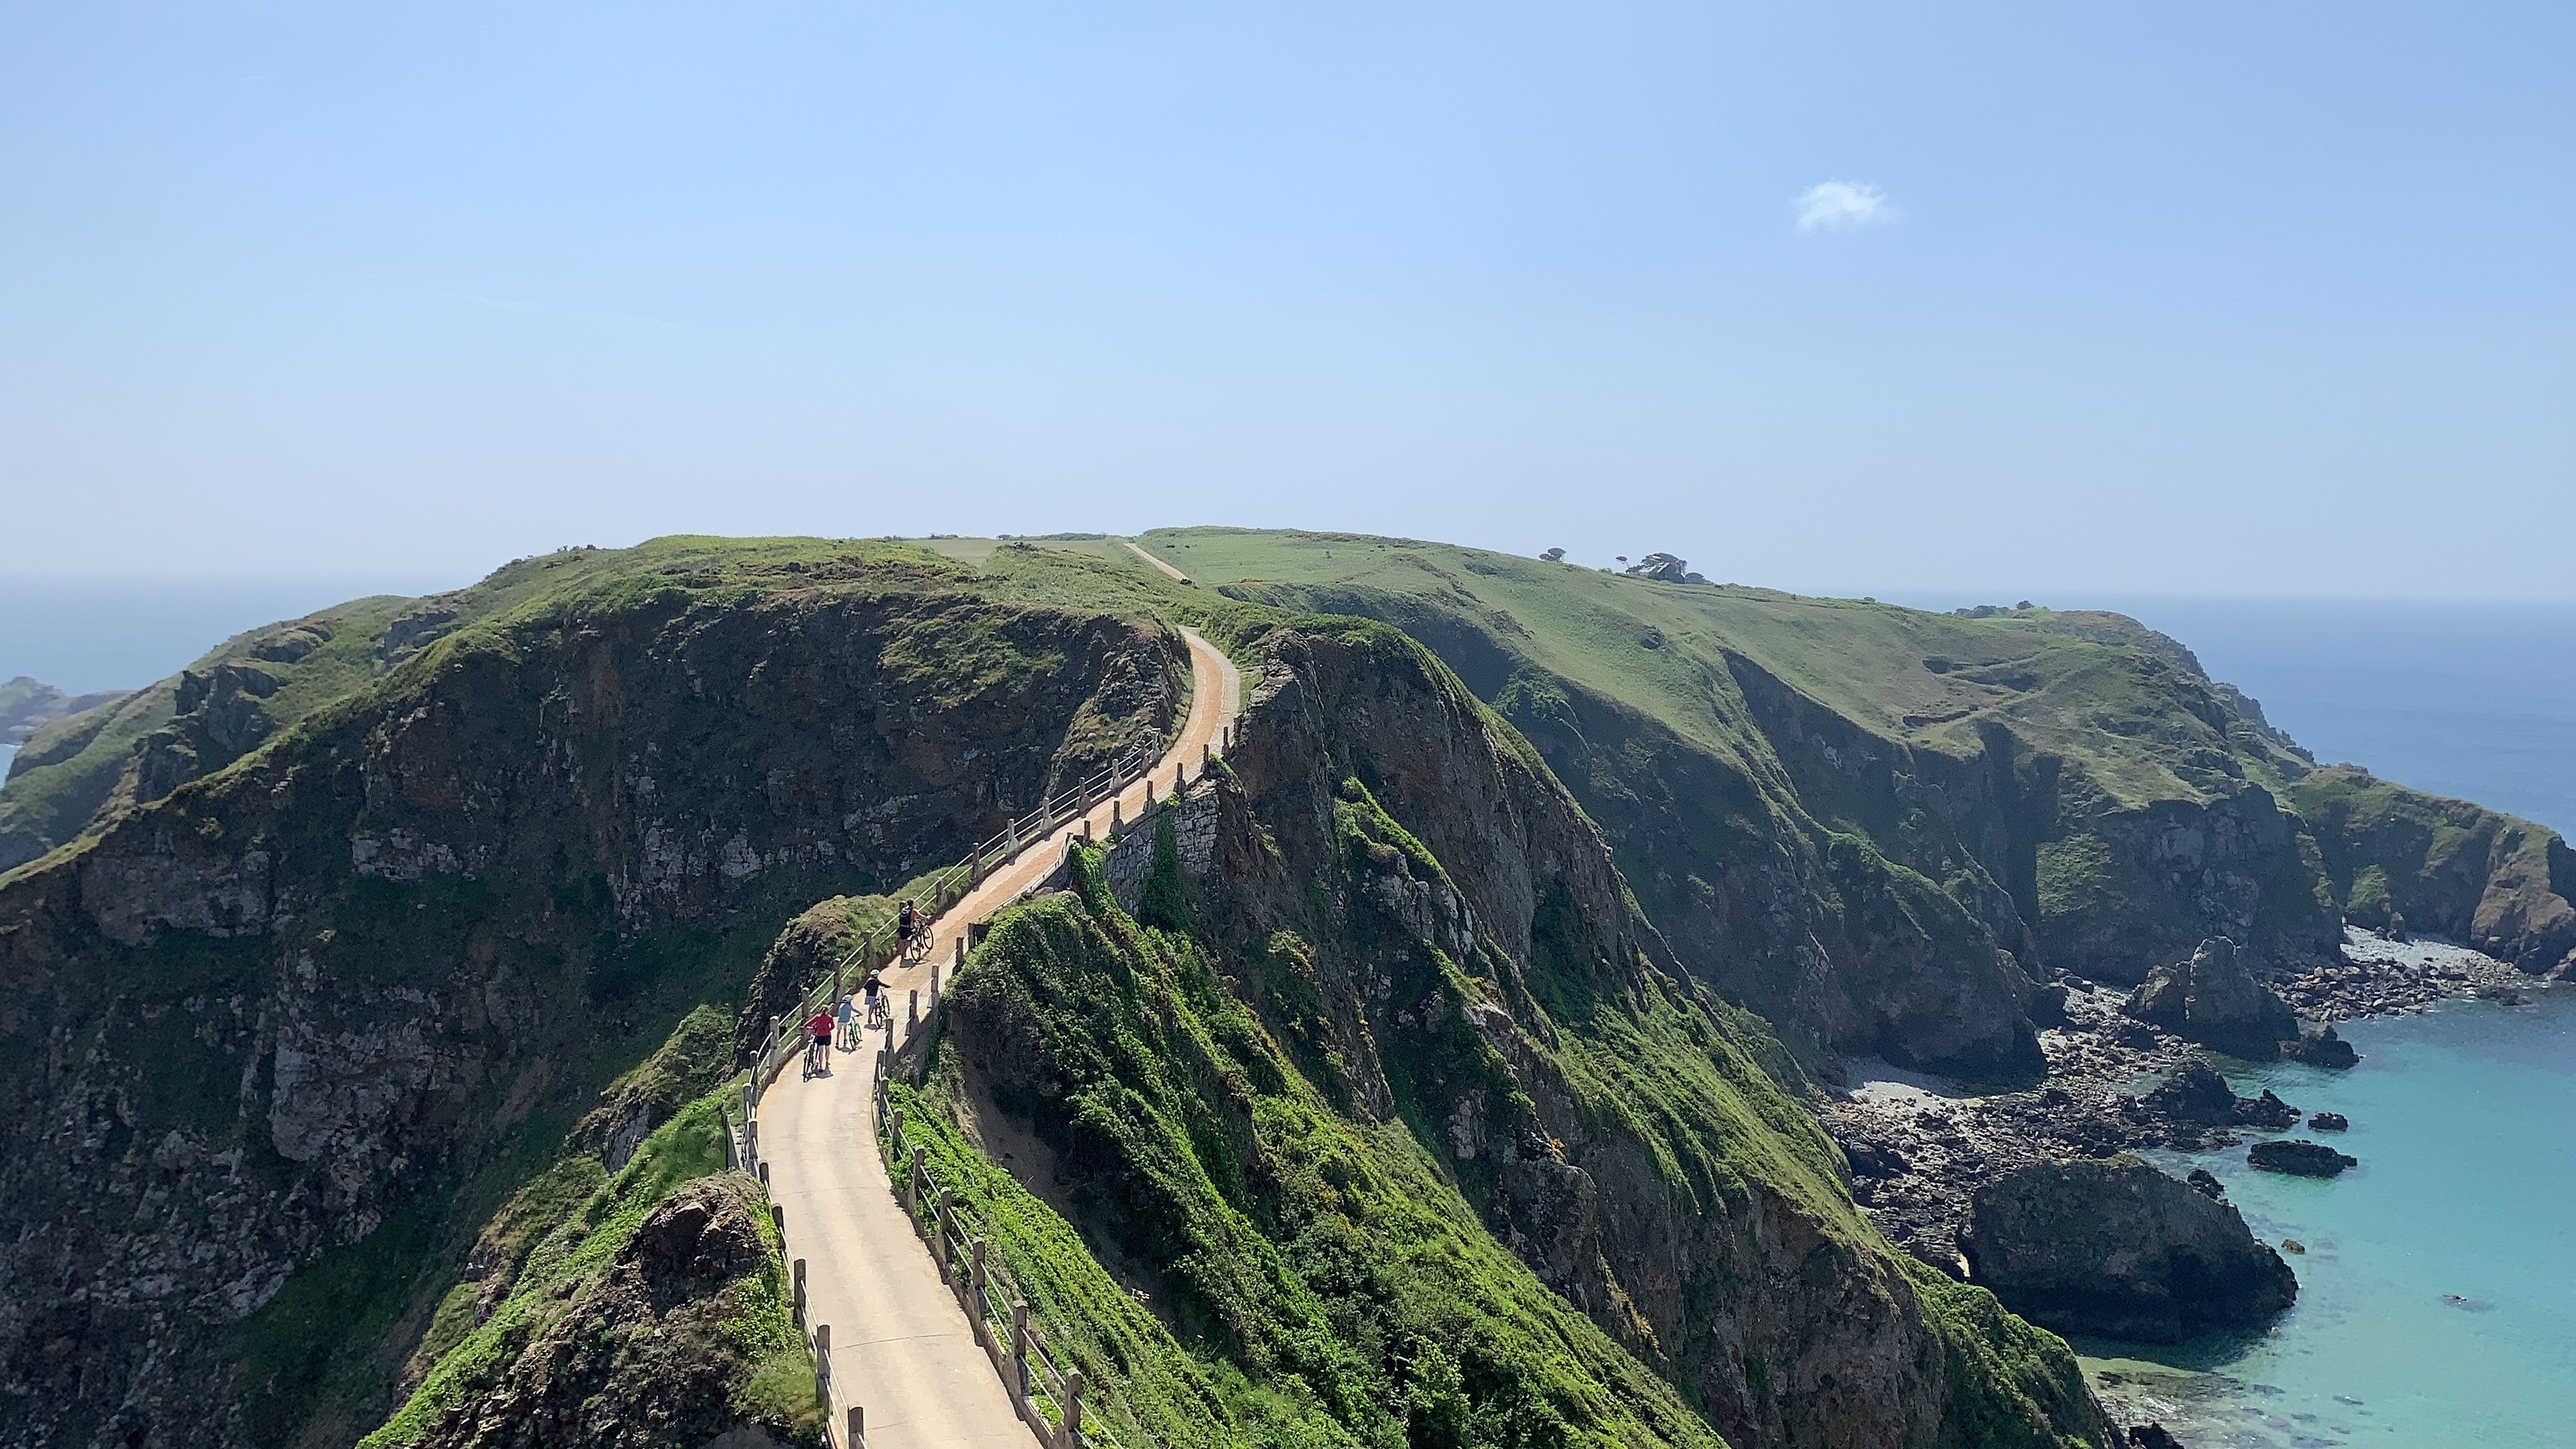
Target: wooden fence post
{"x":799,"y":1267}
{"x":822,"y":1360}
{"x":1019,"y":1353}
{"x":858,"y":1428}
{"x":1073,"y":1409}
{"x":777,"y":1215}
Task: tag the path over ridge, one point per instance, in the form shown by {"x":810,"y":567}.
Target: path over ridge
{"x":902,"y":1348}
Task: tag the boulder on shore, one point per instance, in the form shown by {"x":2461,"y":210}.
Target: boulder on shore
{"x":2299,"y":1159}
{"x":2199,"y":1096}
{"x":2115,"y":1247}
{"x":2321,"y":1048}
{"x":2212,"y":999}
{"x":2330,"y":1122}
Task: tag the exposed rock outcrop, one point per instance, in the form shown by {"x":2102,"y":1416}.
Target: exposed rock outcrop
{"x":2117,"y":1248}
{"x":2299,"y":1159}
{"x":642,"y":1357}
{"x":2212,"y":999}
{"x":2201,"y":1097}
{"x":2321,"y":1047}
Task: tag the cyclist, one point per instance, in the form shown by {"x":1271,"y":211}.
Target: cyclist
{"x":876,"y":1000}
{"x":847,"y":1031}
{"x":907,"y":924}
{"x":818,"y":1044}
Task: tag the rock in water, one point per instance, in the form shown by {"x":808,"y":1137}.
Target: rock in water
{"x":2330,"y":1122}
{"x":2266,"y":1111}
{"x":2300,"y":1159}
{"x":2117,"y":1248}
{"x":2153,"y":1436}
{"x":2321,"y":1048}
{"x":2212,"y":999}
{"x":2203,"y":1182}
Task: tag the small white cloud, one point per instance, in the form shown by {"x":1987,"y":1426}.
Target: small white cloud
{"x":1830,"y":205}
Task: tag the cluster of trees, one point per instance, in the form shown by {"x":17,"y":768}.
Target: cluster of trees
{"x":1670,"y":568}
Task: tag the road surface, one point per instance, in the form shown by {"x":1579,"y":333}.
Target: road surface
{"x":901,"y":1347}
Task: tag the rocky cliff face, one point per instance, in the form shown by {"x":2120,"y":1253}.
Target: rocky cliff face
{"x":1879,"y":828}
{"x":260,"y":1035}
{"x":2400,"y":859}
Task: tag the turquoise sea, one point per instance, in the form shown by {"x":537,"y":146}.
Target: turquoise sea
{"x":2437,"y":1298}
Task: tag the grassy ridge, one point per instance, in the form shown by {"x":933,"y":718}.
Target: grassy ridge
{"x":1319,"y":1281}
{"x":1658,"y":648}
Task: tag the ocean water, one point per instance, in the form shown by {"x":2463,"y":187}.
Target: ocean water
{"x":2437,"y":1298}
{"x":85,"y":634}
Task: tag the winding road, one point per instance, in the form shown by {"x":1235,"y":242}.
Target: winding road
{"x":902,"y":1349}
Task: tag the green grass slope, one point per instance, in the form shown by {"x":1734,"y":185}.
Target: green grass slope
{"x":1326,"y":1284}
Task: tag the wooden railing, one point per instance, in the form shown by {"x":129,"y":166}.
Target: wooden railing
{"x":949,"y":886}
{"x":1049,"y":1394}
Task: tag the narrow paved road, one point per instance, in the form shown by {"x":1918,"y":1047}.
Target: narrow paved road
{"x":901,"y":1347}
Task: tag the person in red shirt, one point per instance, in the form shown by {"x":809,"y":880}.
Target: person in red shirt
{"x":818,"y":1042}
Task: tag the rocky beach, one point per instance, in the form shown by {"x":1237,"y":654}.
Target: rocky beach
{"x":1948,"y":1172}
{"x":1920,"y":1146}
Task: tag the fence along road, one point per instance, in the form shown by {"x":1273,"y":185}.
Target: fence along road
{"x":901,"y":1348}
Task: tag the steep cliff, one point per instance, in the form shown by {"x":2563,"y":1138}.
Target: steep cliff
{"x":274,"y":1044}
{"x":1417,"y":1085}
{"x":1878,"y":826}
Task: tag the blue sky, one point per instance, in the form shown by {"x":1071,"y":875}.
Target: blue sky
{"x":2109,"y":299}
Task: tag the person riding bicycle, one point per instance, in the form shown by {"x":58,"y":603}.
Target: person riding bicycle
{"x":818,"y":1045}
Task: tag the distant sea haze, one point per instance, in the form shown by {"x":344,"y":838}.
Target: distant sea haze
{"x":2476,"y":701}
